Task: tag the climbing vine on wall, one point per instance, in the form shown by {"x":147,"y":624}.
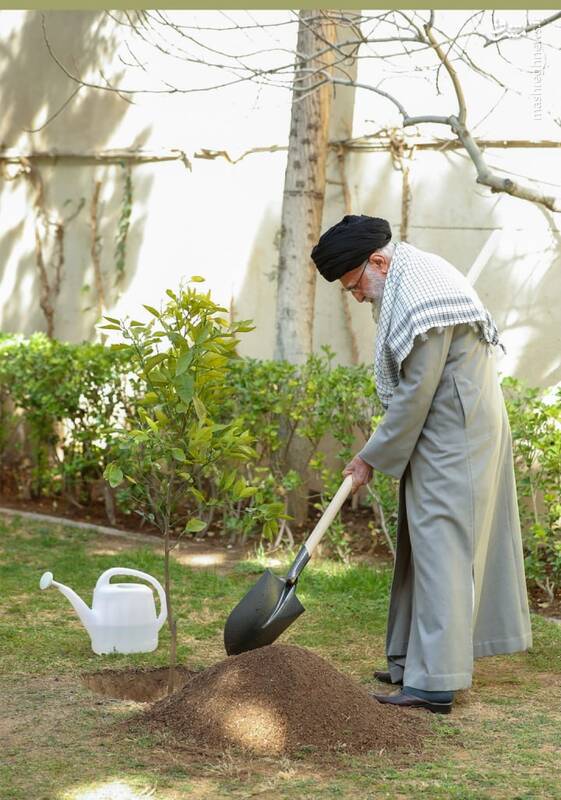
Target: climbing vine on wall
{"x":400,"y":152}
{"x":95,"y":247}
{"x":124,"y":223}
{"x":49,"y":239}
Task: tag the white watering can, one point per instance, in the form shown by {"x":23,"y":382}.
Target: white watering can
{"x":123,"y":615}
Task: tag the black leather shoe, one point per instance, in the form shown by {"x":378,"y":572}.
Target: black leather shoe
{"x":409,"y":701}
{"x":385,"y":677}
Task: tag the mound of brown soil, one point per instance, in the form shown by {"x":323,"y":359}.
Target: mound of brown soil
{"x":280,"y":699}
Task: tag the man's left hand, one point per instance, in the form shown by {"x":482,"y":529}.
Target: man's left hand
{"x":361,"y":472}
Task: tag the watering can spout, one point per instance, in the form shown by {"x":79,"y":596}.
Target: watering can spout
{"x":85,"y":613}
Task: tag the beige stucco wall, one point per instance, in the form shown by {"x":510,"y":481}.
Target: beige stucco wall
{"x":222,"y":220}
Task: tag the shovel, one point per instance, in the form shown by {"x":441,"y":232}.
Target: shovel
{"x":271,"y":605}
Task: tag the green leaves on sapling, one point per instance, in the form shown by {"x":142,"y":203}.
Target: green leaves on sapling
{"x":195,"y":526}
{"x":113,"y":475}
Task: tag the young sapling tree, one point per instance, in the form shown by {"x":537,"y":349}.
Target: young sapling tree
{"x":180,"y":356}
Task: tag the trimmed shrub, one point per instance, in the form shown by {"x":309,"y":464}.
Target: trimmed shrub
{"x":60,"y":405}
{"x":59,"y":402}
{"x":535,"y":420}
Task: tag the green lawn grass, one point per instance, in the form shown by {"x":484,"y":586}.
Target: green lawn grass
{"x":62,"y":742}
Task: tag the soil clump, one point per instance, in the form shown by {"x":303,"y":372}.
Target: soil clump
{"x":283,"y":699}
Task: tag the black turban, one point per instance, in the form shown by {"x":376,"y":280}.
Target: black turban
{"x":348,"y":243}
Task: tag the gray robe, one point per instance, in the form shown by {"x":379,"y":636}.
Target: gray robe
{"x":458,"y":589}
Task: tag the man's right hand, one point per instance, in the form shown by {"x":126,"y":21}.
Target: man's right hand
{"x":361,"y":472}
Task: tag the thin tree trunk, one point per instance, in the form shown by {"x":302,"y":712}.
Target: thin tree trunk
{"x":109,"y":501}
{"x":171,"y":619}
{"x":378,"y":503}
{"x":302,"y":209}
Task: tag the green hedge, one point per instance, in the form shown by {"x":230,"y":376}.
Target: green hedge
{"x":535,"y":419}
{"x":60,"y":405}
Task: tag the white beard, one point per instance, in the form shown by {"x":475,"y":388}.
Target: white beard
{"x":374,"y":292}
{"x":375,"y":307}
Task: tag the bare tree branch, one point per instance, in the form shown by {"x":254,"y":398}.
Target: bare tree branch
{"x":462,"y":110}
{"x":370,"y":36}
{"x":493,"y":181}
{"x":521,"y":31}
{"x":454,"y":40}
{"x":124,"y":91}
{"x":56,"y":113}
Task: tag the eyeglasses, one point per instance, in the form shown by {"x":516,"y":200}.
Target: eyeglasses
{"x":355,"y":286}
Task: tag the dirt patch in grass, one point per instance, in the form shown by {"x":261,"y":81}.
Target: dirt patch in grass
{"x":543,"y":604}
{"x":283,"y":699}
{"x":139,"y":685}
{"x":94,"y":512}
{"x":366,"y":543}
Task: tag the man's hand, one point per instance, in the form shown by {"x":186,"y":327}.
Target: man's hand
{"x":361,"y":472}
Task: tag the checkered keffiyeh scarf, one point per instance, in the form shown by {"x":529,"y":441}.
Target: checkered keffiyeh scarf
{"x":422,"y":291}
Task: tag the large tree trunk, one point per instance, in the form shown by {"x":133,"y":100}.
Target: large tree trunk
{"x":304,"y":187}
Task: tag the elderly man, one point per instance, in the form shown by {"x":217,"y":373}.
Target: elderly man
{"x":458,"y":589}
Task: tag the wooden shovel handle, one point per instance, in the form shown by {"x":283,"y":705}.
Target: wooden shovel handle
{"x":329,"y":515}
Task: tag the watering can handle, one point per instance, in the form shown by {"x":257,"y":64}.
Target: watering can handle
{"x":136,"y":573}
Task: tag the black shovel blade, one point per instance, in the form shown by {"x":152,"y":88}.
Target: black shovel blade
{"x":262,"y":614}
